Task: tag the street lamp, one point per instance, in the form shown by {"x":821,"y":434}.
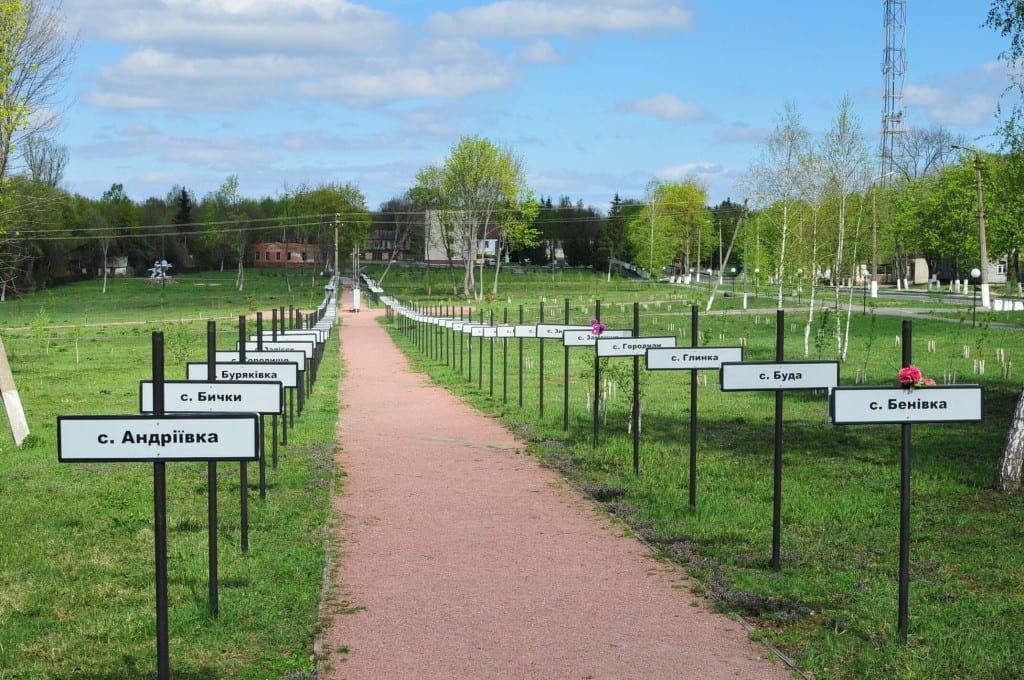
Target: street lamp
{"x":757,"y":280}
{"x":975,"y":273}
{"x":982,"y":245}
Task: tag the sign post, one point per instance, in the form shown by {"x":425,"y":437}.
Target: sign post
{"x":550,"y":331}
{"x":693,"y":360}
{"x":903,"y":405}
{"x":158,"y":438}
{"x":779,"y":376}
{"x":632,"y":347}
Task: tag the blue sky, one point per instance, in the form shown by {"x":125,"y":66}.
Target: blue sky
{"x":598,"y":97}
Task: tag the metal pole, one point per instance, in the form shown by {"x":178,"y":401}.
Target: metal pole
{"x":780,"y":322}
{"x":491,"y":340}
{"x":540,"y":341}
{"x":693,"y":413}
{"x":565,"y":379}
{"x":160,"y":520}
{"x":243,"y":466}
{"x":520,"y":359}
{"x":597,"y":378}
{"x":904,"y":567}
{"x":504,"y":362}
{"x":636,"y":393}
{"x":211,"y":481}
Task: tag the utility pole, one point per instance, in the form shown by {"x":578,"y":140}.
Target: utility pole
{"x":337,"y":278}
{"x":982,"y":243}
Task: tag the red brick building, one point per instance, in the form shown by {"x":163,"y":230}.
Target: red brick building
{"x":278,"y":254}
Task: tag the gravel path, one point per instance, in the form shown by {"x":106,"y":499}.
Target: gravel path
{"x":460,"y":557}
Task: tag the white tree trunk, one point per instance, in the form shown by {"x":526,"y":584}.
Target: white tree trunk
{"x":1009,"y":467}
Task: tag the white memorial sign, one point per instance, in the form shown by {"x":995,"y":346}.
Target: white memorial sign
{"x":631,"y":347}
{"x":191,"y":396}
{"x":692,"y":358}
{"x":285,"y":373}
{"x":586,"y":337}
{"x":786,"y":375}
{"x":947,"y":404}
{"x":114,"y":439}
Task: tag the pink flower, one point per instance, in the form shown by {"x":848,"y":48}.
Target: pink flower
{"x":596,"y":327}
{"x":910,"y":376}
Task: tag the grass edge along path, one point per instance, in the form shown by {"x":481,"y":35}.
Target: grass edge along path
{"x":77,"y":559}
{"x":833,"y":605}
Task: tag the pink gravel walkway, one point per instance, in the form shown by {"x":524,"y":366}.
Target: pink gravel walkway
{"x":460,"y":557}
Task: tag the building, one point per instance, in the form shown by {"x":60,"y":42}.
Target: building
{"x":435,"y":252}
{"x":117,"y":265}
{"x":274,"y":254}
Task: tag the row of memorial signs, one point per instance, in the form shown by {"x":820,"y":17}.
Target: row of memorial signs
{"x":847,"y":405}
{"x":215,"y":415}
{"x":851,"y":405}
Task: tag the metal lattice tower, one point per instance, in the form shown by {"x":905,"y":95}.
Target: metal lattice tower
{"x":894,"y":67}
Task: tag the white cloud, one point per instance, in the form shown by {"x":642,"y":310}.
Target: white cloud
{"x":668,"y":107}
{"x":149,"y":78}
{"x":219,"y":27}
{"x":526,"y":19}
{"x":386,"y":83}
{"x":966,"y":99}
{"x":701,"y":171}
{"x":539,"y":52}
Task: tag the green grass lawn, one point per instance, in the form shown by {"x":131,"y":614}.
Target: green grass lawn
{"x":76,"y":540}
{"x":76,"y":543}
{"x":833,"y":604}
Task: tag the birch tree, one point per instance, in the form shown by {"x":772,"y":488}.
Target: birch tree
{"x":774,"y":178}
{"x":670,"y":223}
{"x":844,"y":159}
{"x":35,"y":57}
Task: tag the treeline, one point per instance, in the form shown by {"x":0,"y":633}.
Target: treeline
{"x":49,"y":236}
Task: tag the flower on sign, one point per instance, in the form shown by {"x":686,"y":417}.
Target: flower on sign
{"x":911,"y":377}
{"x":596,"y":327}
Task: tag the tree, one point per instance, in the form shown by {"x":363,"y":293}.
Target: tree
{"x":223,"y":233}
{"x":401,"y":220}
{"x":1007,"y":18}
{"x":845,"y":160}
{"x":45,"y":159}
{"x":515,"y":230}
{"x":774,"y":179}
{"x":924,"y":151}
{"x":479,"y":186}
{"x":35,"y":57}
{"x":319,"y":205}
{"x":671,"y":224}
{"x":612,"y":243}
{"x":118,"y":216}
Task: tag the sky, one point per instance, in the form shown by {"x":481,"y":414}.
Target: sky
{"x":597,"y":97}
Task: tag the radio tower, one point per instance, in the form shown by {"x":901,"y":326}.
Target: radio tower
{"x":894,"y":66}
